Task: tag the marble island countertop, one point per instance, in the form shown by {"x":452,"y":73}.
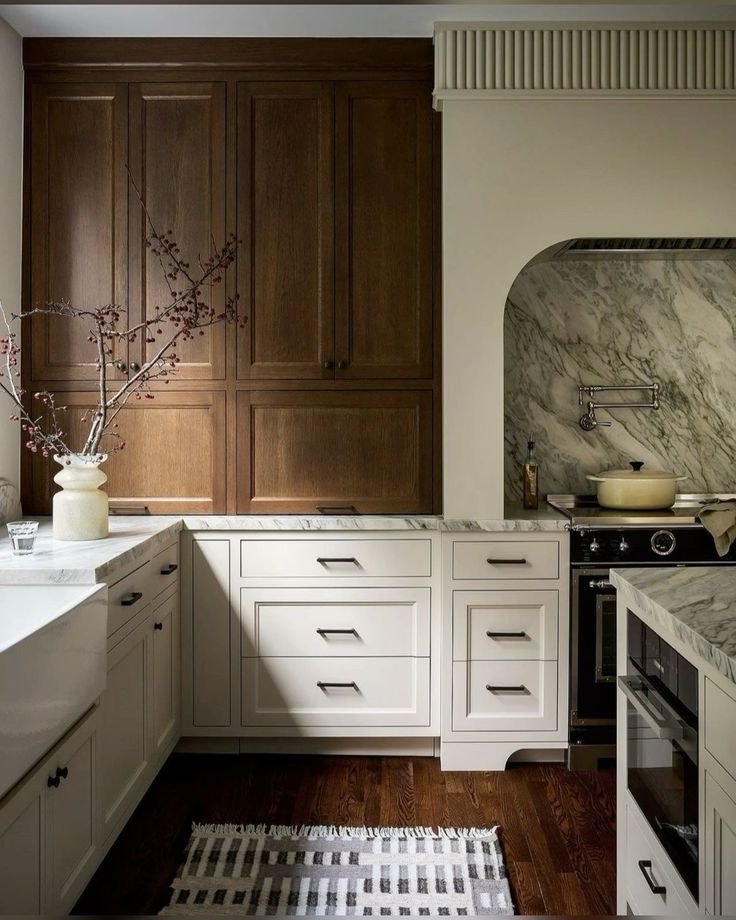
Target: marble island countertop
{"x":697,"y":604}
{"x":132,"y":537}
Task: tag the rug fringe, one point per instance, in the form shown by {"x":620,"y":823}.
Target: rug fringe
{"x":333,"y":830}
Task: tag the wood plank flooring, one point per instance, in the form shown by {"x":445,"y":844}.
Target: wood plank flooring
{"x":557,"y":827}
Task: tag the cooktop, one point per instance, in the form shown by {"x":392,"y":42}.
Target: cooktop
{"x":584,"y":510}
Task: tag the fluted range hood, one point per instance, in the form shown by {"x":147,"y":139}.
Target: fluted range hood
{"x":648,"y":247}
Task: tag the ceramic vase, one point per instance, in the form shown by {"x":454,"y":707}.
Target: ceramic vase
{"x":80,"y":508}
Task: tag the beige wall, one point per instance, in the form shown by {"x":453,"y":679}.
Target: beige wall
{"x":11,"y":133}
{"x":520,"y":175}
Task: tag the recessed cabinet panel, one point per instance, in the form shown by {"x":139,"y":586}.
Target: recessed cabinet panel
{"x":210,"y":631}
{"x":178,"y":147}
{"x":504,"y":696}
{"x":720,"y":850}
{"x":21,"y":851}
{"x":285,"y":220}
{"x":505,"y":625}
{"x":383,"y":230}
{"x":174,"y":455}
{"x":78,"y":218}
{"x":298,"y":450}
{"x":165,"y":681}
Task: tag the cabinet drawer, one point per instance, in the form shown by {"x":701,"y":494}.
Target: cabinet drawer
{"x":335,"y":558}
{"x":326,"y":622}
{"x":293,"y":692}
{"x":128,"y":597}
{"x":165,"y":570}
{"x":642,"y":848}
{"x":720,"y":710}
{"x":505,"y":560}
{"x":531,"y":707}
{"x":505,"y":625}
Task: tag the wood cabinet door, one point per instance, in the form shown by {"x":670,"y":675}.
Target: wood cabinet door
{"x":173,"y":460}
{"x":123,"y":754}
{"x":383,"y":230}
{"x":78,"y":218}
{"x":178,"y":152}
{"x":300,"y":450}
{"x":166,"y":690}
{"x":285,"y":224}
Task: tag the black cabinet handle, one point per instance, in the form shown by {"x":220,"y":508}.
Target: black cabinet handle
{"x":134,"y":366}
{"x":500,"y":688}
{"x":506,"y":635}
{"x":325,"y":685}
{"x":127,"y":600}
{"x":326,"y":560}
{"x":336,"y":509}
{"x":169,"y":569}
{"x":341,"y":365}
{"x":327,"y":365}
{"x":55,"y":780}
{"x":506,"y":561}
{"x":645,"y":866}
{"x":158,"y":625}
{"x":337,"y":632}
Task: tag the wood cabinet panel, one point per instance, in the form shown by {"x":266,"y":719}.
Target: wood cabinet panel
{"x":383,"y":230}
{"x":285,"y":222}
{"x":298,"y":449}
{"x":174,"y":455}
{"x":78,"y":217}
{"x":178,"y":148}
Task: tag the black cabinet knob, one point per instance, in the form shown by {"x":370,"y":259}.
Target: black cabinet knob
{"x":158,"y":625}
{"x":341,"y":365}
{"x":55,"y":780}
{"x":327,"y":365}
{"x":134,"y":367}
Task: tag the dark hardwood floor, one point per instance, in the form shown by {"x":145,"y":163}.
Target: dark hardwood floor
{"x":557,"y":828}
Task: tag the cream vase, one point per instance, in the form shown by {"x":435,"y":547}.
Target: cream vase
{"x":80,"y":509}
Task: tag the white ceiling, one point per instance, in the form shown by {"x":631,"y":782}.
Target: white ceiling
{"x":326,"y":20}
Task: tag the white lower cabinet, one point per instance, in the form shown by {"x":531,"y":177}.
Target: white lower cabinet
{"x":165,"y":682}
{"x":49,"y":829}
{"x":72,"y":828}
{"x":719,"y":847}
{"x":123,"y":754}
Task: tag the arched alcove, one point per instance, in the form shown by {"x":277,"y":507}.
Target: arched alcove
{"x":616,"y":316}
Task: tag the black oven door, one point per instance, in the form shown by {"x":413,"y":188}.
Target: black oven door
{"x":593,"y":665}
{"x":662,"y":772}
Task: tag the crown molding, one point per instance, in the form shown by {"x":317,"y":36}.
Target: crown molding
{"x":485,"y":61}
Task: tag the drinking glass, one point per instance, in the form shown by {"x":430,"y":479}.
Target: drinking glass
{"x":22,"y":536}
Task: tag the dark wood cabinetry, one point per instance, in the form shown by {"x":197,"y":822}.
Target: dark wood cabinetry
{"x":321,"y":156}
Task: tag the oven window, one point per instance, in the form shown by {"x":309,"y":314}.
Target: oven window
{"x":663,"y":777}
{"x":605,"y":630}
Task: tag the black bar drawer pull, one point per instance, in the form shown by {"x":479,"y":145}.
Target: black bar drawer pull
{"x":337,"y":632}
{"x":493,"y":561}
{"x":337,"y":509}
{"x":506,"y":635}
{"x":326,"y":560}
{"x":127,"y":600}
{"x":169,"y":569}
{"x":326,"y":685}
{"x":501,"y":688}
{"x":645,"y":865}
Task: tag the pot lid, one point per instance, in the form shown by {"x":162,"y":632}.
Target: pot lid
{"x":636,"y":473}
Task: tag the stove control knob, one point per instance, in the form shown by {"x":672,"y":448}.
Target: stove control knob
{"x":594,"y":545}
{"x":663,"y":542}
{"x":623,"y":546}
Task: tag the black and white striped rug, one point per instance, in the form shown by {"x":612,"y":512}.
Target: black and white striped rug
{"x":254,"y":870}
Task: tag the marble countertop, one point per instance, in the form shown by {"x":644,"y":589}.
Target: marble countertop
{"x":697,"y":604}
{"x":56,"y":562}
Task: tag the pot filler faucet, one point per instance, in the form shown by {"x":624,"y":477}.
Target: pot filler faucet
{"x":589,"y":421}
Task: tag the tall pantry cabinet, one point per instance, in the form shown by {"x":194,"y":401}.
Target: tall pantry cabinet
{"x":321,"y":155}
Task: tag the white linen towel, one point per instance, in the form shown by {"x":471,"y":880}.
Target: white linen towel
{"x":719,"y":519}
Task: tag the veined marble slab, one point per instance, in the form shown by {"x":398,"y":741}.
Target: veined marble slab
{"x":696,"y":604}
{"x":132,"y":538}
{"x":60,"y":563}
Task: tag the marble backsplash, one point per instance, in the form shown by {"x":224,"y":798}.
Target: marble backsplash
{"x":615,"y":321}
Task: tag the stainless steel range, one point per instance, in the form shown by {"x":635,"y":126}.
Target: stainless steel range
{"x":601,"y":539}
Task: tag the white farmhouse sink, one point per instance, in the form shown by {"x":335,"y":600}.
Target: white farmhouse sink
{"x":53,"y":644}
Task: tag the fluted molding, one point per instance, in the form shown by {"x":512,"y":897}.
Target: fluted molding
{"x":481,"y":60}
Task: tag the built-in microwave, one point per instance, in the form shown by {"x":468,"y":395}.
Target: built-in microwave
{"x":661,"y":688}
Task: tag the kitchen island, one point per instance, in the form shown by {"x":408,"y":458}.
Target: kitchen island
{"x":676,"y":712}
